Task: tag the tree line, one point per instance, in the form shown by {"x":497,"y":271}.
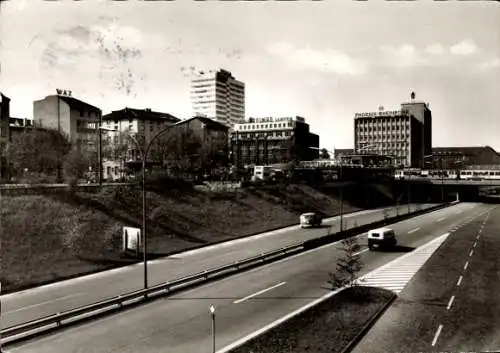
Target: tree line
{"x":48,"y":156}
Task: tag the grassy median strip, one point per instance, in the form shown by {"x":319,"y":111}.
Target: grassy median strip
{"x":329,"y":327}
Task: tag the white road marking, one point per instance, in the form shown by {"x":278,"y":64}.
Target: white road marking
{"x":395,"y":278}
{"x":258,"y":293}
{"x":360,"y":252}
{"x":460,"y":280}
{"x":471,"y":252}
{"x":42,"y":303}
{"x":440,"y":219}
{"x":475,"y":243}
{"x":450,"y":302}
{"x":436,"y":336}
{"x":466,"y":265}
{"x":414,"y":230}
{"x":393,"y":263}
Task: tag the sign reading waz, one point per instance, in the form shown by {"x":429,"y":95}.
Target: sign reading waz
{"x":63,"y":92}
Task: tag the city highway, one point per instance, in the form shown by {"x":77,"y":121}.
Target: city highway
{"x":452,"y":303}
{"x":38,"y":302}
{"x":244,"y":303}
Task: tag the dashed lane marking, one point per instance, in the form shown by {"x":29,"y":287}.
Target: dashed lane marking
{"x":466,"y":265}
{"x":436,"y":336}
{"x":450,"y":303}
{"x":460,"y":280}
{"x":414,"y":230}
{"x":258,"y":293}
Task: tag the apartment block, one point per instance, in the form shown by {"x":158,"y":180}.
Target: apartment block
{"x":77,"y":120}
{"x":126,"y":133}
{"x":219,"y":96}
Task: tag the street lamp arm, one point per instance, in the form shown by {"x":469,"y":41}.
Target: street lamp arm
{"x":158,"y":134}
{"x":145,"y":151}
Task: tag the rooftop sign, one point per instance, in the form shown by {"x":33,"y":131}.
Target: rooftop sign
{"x":381,"y":113}
{"x":270,"y":119}
{"x":63,"y":92}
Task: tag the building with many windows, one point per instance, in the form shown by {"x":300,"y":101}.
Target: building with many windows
{"x":126,"y":132}
{"x":405,"y":135}
{"x":77,"y":120}
{"x":219,"y":96}
{"x":270,"y":140}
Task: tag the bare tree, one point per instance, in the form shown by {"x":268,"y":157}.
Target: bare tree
{"x":348,"y":265}
{"x":181,"y":152}
{"x":118,"y":146}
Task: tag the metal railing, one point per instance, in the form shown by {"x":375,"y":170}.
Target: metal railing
{"x":54,"y":321}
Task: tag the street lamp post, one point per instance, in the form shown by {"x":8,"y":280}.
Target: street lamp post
{"x":212,"y":314}
{"x":144,"y":155}
{"x":341,"y":193}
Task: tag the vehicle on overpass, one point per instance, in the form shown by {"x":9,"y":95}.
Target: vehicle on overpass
{"x":310,"y":220}
{"x":381,"y":238}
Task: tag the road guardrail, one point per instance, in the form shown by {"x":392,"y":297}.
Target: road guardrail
{"x":54,"y":321}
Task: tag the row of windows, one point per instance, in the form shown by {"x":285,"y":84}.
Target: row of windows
{"x":383,"y":137}
{"x":269,"y":134}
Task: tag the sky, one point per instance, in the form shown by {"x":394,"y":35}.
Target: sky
{"x":323,"y":60}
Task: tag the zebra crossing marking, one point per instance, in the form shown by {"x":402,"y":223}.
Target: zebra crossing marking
{"x":395,"y":275}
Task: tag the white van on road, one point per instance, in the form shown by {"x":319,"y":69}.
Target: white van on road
{"x":381,"y":237}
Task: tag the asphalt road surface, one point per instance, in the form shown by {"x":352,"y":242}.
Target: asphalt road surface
{"x":244,"y":303}
{"x":452,"y":304}
{"x":21,"y":307}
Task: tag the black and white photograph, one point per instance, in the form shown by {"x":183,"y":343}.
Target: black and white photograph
{"x":237,"y":176}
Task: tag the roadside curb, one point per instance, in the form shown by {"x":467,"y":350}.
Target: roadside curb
{"x":371,"y":322}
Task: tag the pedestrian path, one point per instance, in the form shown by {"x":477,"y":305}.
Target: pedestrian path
{"x":395,"y":275}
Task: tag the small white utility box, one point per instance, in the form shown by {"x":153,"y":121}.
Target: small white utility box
{"x":132,"y":240}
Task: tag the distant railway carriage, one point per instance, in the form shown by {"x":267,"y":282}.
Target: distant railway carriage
{"x":464,"y":174}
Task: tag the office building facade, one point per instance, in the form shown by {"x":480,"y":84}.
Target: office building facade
{"x":397,"y":134}
{"x":270,"y":140}
{"x":405,"y":135}
{"x":219,"y":96}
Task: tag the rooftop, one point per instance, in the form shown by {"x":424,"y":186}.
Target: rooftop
{"x":141,"y":114}
{"x":212,"y":124}
{"x":76,"y":104}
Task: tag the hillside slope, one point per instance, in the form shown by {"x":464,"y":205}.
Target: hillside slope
{"x":72,"y":233}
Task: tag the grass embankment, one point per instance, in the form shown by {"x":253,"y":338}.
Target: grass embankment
{"x":325,"y":328}
{"x":55,"y":236}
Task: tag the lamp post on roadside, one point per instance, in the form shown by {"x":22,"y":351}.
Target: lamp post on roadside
{"x":424,"y":163}
{"x":144,"y":154}
{"x":212,"y":314}
{"x":341,"y":196}
{"x":100,"y":129}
